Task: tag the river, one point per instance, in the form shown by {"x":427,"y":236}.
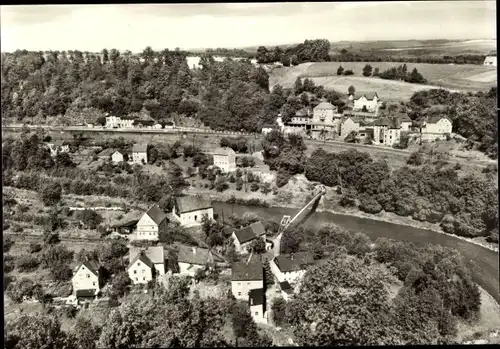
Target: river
{"x":482,"y":261}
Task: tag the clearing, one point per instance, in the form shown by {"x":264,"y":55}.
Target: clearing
{"x":464,"y":77}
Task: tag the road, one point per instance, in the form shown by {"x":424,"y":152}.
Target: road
{"x":331,"y":144}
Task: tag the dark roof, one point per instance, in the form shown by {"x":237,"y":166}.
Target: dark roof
{"x":403,"y":117}
{"x":123,"y":152}
{"x":435,"y":119}
{"x":90,"y":265}
{"x":191,"y":203}
{"x":394,"y":123}
{"x":156,"y":254}
{"x":127,"y":224}
{"x":107,"y":152}
{"x":140,"y":148}
{"x":286,"y":287}
{"x":143,"y":258}
{"x":294,"y":262}
{"x":367,"y":130}
{"x":358,"y":120}
{"x":247,"y":272}
{"x":223,"y":151}
{"x":194,"y":255}
{"x":369,"y":96}
{"x":381,"y":122}
{"x":156,"y":214}
{"x":250,"y":232}
{"x":86,"y":293}
{"x":228,"y":230}
{"x":256,"y":296}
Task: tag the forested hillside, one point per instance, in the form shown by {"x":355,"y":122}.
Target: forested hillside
{"x":229,"y":94}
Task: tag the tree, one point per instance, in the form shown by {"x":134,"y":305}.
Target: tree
{"x":37,"y":331}
{"x":415,"y":159}
{"x":351,"y":90}
{"x":289,"y":243}
{"x":268,"y":275}
{"x":90,"y":218}
{"x":242,"y":319}
{"x":285,"y":60}
{"x":367,"y":70}
{"x":258,"y":246}
{"x":23,"y":287}
{"x":61,"y":272}
{"x":340,"y":70}
{"x":50,"y":238}
{"x":26,"y":263}
{"x":221,"y":184}
{"x":51,"y":193}
{"x":348,"y":72}
{"x":352,"y":137}
{"x":279,"y":311}
{"x":86,"y":334}
{"x":298,"y":87}
{"x":375,"y":72}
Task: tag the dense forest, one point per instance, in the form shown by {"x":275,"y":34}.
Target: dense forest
{"x":76,"y":86}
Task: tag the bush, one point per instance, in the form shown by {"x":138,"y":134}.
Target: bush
{"x":51,"y":193}
{"x":415,"y":159}
{"x":282,"y":178}
{"x":61,"y":272}
{"x":348,"y":72}
{"x":27,"y":263}
{"x":254,"y":186}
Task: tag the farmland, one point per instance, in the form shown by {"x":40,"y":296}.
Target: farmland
{"x":465,"y":78}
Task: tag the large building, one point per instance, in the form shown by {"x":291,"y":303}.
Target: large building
{"x":189,"y":210}
{"x":321,"y":123}
{"x":244,"y":237}
{"x":225,"y":159}
{"x":151,"y":224}
{"x":191,"y":259}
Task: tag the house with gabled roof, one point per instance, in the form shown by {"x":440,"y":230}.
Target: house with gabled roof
{"x":491,"y":61}
{"x":151,"y":224}
{"x":155,"y":254}
{"x":189,"y":210}
{"x":58,"y":146}
{"x":291,"y":267}
{"x":86,"y":280}
{"x":244,"y":237}
{"x":436,"y":127}
{"x":192,"y":258}
{"x":350,"y":124}
{"x":141,"y":269}
{"x":140,"y":154}
{"x":366,"y":101}
{"x":225,"y":159}
{"x":118,"y":156}
{"x":246,"y":277}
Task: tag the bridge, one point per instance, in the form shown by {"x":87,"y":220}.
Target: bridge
{"x":288,"y":222}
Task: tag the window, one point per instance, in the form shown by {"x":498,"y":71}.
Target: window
{"x":143,"y":271}
{"x":195,"y":217}
{"x":93,"y":284}
{"x":136,"y":279}
{"x":239,"y":293}
{"x":135,"y":271}
{"x":256,"y":313}
{"x":88,"y":276}
{"x":143,"y":279}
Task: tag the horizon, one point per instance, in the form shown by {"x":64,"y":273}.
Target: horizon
{"x":134,"y":27}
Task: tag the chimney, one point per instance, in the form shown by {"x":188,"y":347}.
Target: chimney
{"x":194,"y":250}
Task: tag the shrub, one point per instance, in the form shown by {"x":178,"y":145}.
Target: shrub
{"x":254,"y":186}
{"x":26,"y":263}
{"x":51,"y":193}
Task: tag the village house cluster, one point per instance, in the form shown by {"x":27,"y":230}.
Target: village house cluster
{"x":117,"y":122}
{"x":363,"y":116}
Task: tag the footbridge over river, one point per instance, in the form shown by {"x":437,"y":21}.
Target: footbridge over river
{"x":288,"y":222}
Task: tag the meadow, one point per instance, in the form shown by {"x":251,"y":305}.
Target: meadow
{"x":466,"y":78}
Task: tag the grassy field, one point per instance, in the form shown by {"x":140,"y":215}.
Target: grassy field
{"x":465,"y":77}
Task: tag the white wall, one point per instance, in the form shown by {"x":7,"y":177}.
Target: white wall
{"x":189,"y":269}
{"x":392,"y":136}
{"x":137,"y":157}
{"x":371,"y":106}
{"x":194,"y":217}
{"x":348,"y":126}
{"x":140,"y":273}
{"x":290,"y":277}
{"x":442,"y":126}
{"x":117,"y":157}
{"x":147,"y":229}
{"x":84,"y":279}
{"x":258,"y":314}
{"x":405,"y":126}
{"x":240,"y":289}
{"x":227,"y":163}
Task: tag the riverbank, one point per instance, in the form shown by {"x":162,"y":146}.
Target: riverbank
{"x":298,"y":197}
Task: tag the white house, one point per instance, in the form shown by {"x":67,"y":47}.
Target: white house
{"x":243,"y":238}
{"x":126,"y":123}
{"x":350,"y":124}
{"x":151,"y":224}
{"x":386,"y":131}
{"x":192,"y":259}
{"x":257,"y":305}
{"x":491,"y":61}
{"x":405,"y":121}
{"x":141,"y":269}
{"x":225,"y":159}
{"x":155,"y":254}
{"x":286,"y":290}
{"x":189,"y":210}
{"x":140,"y":154}
{"x":246,"y":277}
{"x":436,"y":127}
{"x":86,"y":279}
{"x":118,"y":156}
{"x":291,"y":267}
{"x":369,"y":101}
{"x":157,"y":126}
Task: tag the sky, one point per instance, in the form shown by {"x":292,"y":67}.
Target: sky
{"x":135,"y":26}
